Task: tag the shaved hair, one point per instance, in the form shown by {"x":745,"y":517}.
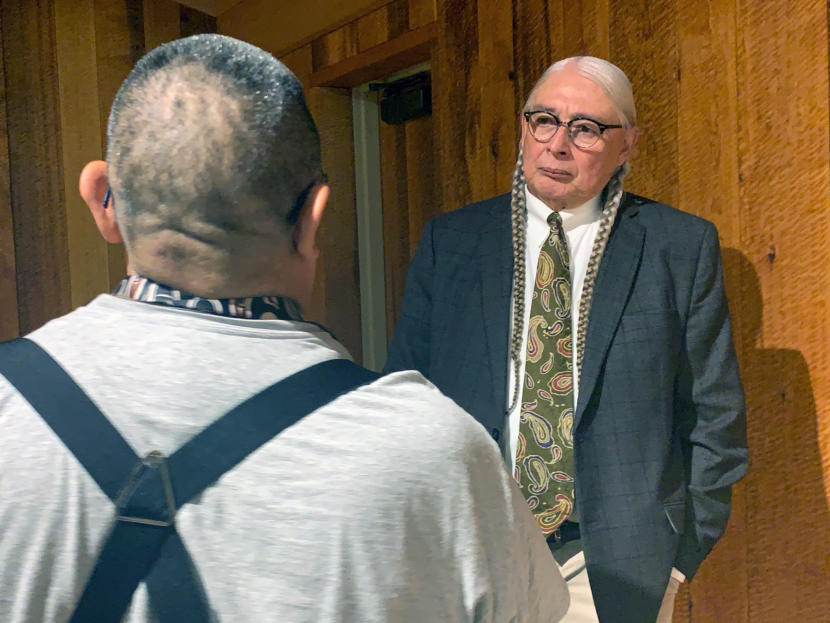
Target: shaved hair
{"x":210,"y":137}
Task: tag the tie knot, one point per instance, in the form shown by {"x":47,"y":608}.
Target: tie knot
{"x":555,"y":222}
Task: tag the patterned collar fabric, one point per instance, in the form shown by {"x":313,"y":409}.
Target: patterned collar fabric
{"x":146,"y":290}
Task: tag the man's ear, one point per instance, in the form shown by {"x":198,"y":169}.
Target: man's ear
{"x":308,"y":222}
{"x":93,"y":187}
{"x":629,"y":141}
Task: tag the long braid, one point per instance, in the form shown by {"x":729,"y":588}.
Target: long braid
{"x":613,"y":196}
{"x":518,"y":219}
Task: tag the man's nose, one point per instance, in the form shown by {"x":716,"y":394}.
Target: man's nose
{"x":560,"y":143}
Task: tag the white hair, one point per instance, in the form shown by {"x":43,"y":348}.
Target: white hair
{"x":604,"y":74}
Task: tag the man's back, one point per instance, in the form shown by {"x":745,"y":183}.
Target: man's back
{"x":389,"y":504}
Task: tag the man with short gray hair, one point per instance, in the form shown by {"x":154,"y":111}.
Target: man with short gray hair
{"x":190,"y":449}
{"x":587,"y":329}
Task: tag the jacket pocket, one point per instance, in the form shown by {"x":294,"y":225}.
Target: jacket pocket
{"x":676,"y":514}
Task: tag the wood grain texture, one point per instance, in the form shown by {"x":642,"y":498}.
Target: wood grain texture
{"x":456,"y":54}
{"x":81,"y":140}
{"x":410,"y":199}
{"x":194,"y":22}
{"x":9,"y":327}
{"x":421,"y":12}
{"x":643,"y":45}
{"x":579,"y":28}
{"x":409,"y":49}
{"x":783,"y":148}
{"x":707,"y":163}
{"x":332,"y":110}
{"x":292,"y":24}
{"x":35,"y":162}
{"x":119,"y":43}
{"x":396,"y":207}
{"x":161,"y":22}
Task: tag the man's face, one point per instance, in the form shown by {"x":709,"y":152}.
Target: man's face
{"x":557,"y":172}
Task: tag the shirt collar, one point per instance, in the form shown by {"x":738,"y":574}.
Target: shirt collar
{"x":138,"y":288}
{"x":538,"y":212}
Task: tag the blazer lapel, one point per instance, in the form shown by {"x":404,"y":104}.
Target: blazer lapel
{"x":615,"y":278}
{"x":496,"y":262}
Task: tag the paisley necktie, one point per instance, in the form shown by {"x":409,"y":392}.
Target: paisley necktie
{"x":544,"y":453}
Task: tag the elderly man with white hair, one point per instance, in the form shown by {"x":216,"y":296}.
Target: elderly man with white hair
{"x":587,"y":329}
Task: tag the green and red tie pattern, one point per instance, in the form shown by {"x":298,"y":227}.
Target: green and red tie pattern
{"x":544,"y":453}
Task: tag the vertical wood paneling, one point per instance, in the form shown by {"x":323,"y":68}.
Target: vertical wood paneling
{"x":493,"y":145}
{"x":81,"y":142}
{"x":707,"y":185}
{"x":455,"y":112}
{"x":421,"y":175}
{"x":9,"y":327}
{"x":783,"y":146}
{"x":531,"y":39}
{"x":35,"y":171}
{"x":193,"y":22}
{"x":396,"y":214}
{"x":332,"y":110}
{"x":578,"y":28}
{"x":119,"y":43}
{"x":421,"y":12}
{"x":161,"y":22}
{"x":644,"y":45}
{"x":335,"y":46}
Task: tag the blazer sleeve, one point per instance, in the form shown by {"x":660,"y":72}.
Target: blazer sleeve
{"x":713,"y":418}
{"x":410,"y":345}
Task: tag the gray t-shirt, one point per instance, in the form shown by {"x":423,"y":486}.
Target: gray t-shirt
{"x":388,"y":504}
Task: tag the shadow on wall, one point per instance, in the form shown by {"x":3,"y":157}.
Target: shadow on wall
{"x":787,"y":527}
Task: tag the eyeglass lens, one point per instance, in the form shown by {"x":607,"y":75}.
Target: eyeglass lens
{"x":583,"y":132}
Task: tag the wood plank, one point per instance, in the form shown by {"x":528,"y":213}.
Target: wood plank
{"x":119,"y":43}
{"x":335,"y":46}
{"x":9,"y":327}
{"x":532,"y":45}
{"x":193,"y":22}
{"x":299,"y":62}
{"x":579,"y":28}
{"x":422,"y":12}
{"x":332,"y":109}
{"x":784,"y":146}
{"x":292,"y":24}
{"x":81,"y":139}
{"x":455,"y":56}
{"x":161,"y":22}
{"x":211,"y":7}
{"x":409,"y":49}
{"x":421,"y":180}
{"x":707,"y":152}
{"x":644,"y":45}
{"x":35,"y":171}
{"x":493,"y":146}
{"x":396,"y":213}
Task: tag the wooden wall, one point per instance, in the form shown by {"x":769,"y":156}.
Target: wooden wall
{"x":732,"y":96}
{"x":61,"y":65}
{"x":734,"y":104}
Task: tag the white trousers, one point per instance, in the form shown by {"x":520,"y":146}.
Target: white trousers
{"x":582,"y":608}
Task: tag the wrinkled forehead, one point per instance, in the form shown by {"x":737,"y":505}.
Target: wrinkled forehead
{"x":570,"y":93}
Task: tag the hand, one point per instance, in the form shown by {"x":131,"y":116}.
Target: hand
{"x":667,"y":607}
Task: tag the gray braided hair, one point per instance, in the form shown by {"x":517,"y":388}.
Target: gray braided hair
{"x":518,"y":221}
{"x":518,"y":218}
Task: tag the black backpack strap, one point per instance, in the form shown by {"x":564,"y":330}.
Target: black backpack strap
{"x":144,"y":544}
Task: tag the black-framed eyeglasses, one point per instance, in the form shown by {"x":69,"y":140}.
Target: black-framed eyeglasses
{"x":299,"y":202}
{"x":583,"y":131}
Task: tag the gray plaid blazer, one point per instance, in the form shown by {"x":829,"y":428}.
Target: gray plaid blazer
{"x":660,"y":432}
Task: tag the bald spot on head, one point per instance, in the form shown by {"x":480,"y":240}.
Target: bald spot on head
{"x":210,"y":144}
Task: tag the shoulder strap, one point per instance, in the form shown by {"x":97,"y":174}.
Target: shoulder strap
{"x":145,"y":545}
